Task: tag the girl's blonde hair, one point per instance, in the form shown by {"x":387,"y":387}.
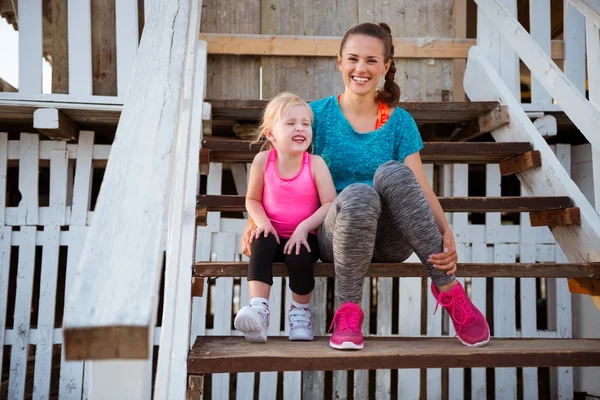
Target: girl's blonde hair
{"x":278,"y":106}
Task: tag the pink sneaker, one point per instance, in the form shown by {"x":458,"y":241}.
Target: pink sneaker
{"x":469,"y":323}
{"x":348,"y":321}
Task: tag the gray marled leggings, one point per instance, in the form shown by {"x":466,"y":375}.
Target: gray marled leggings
{"x":383,"y":223}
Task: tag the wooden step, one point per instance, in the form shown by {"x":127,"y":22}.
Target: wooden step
{"x":449,"y":204}
{"x":214,"y":354}
{"x":236,"y":150}
{"x":422,"y":112}
{"x":394,"y":270}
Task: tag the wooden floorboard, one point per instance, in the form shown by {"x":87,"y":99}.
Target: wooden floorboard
{"x":214,"y":354}
{"x":449,"y":204}
{"x":394,"y":270}
{"x":236,"y":150}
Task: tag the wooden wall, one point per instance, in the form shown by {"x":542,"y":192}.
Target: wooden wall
{"x":314,"y":78}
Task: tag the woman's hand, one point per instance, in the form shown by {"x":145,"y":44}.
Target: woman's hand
{"x":446,"y":261}
{"x":298,"y":238}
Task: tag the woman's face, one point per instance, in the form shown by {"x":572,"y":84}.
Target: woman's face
{"x":362,"y":64}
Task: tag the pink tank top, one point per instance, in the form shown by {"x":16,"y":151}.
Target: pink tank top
{"x":287,"y":202}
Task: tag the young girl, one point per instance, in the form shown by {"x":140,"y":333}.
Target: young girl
{"x":289,"y":194}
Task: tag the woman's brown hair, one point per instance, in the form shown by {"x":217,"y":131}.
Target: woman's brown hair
{"x":391,"y":91}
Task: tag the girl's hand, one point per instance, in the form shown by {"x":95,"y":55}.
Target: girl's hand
{"x":446,"y":261}
{"x":264,"y":228}
{"x":298,"y":238}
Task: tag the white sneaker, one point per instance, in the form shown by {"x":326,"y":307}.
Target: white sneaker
{"x":253,"y":322}
{"x":300,"y":324}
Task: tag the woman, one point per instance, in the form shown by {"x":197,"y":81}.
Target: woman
{"x":385,"y":209}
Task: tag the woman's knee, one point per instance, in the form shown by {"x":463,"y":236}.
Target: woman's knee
{"x":394,"y":174}
{"x":359,"y":201}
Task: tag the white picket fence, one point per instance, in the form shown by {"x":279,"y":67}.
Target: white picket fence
{"x":492,"y":242}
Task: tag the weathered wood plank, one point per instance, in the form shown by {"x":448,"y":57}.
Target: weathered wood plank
{"x":60,"y":47}
{"x":590,"y":10}
{"x":219,"y":354}
{"x":449,"y":204}
{"x":421,"y":111}
{"x":5,"y":249}
{"x":124,"y":235}
{"x":531,"y":159}
{"x":104,"y":47}
{"x":54,"y":124}
{"x":126,"y":24}
{"x":28,"y":178}
{"x":568,"y":216}
{"x":3,"y":176}
{"x":484,"y":124}
{"x":235,"y":150}
{"x":82,"y":185}
{"x":328,"y":46}
{"x":410,"y":269}
{"x":540,"y":29}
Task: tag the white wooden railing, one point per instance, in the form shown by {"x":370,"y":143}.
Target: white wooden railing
{"x":79,"y":43}
{"x":147,"y":199}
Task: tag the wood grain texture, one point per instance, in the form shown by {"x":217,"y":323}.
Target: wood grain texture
{"x":60,"y":47}
{"x":219,"y":354}
{"x":568,"y":216}
{"x":520,"y":163}
{"x":232,"y":76}
{"x":406,"y":269}
{"x":309,"y":78}
{"x":151,"y":122}
{"x":484,"y":124}
{"x":104,"y":48}
{"x":449,"y":204}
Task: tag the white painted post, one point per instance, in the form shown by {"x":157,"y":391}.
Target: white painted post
{"x":113,"y":379}
{"x":361,"y":376}
{"x":504,"y":320}
{"x":22,"y":315}
{"x":225,"y":249}
{"x":384,"y":327}
{"x":82,"y":185}
{"x":126,"y":15}
{"x":268,"y":380}
{"x":434,"y":329}
{"x":528,"y":318}
{"x":340,"y":378}
{"x":498,"y":51}
{"x":80,"y":48}
{"x":409,"y":324}
{"x":292,"y":380}
{"x":456,"y":381}
{"x":539,"y":11}
{"x":3,"y":172}
{"x":593,"y":59}
{"x":5,"y":248}
{"x":313,"y":385}
{"x":28,"y":179}
{"x":574,"y":43}
{"x":30,"y":47}
{"x":59,"y":162}
{"x":479,"y":298}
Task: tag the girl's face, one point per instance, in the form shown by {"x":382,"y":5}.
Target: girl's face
{"x":292,"y":133}
{"x":362,"y":64}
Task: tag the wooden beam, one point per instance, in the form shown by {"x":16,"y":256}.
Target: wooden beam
{"x":111,"y":308}
{"x":54,"y":124}
{"x":195,"y":387}
{"x":216,"y":354}
{"x":449,"y":204}
{"x":406,"y":269}
{"x":523,"y":162}
{"x":328,"y":46}
{"x":579,"y":243}
{"x":568,"y":216}
{"x":546,"y":125}
{"x":60,"y":47}
{"x":6,"y":87}
{"x":204,"y":161}
{"x":197,"y":286}
{"x":484,"y":124}
{"x":588,"y":286}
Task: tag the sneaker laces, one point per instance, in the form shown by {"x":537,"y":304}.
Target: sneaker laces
{"x":299,"y":316}
{"x":346,"y":319}
{"x":462,"y":312}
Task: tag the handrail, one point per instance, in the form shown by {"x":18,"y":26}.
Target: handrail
{"x":110,"y":311}
{"x":583,"y":114}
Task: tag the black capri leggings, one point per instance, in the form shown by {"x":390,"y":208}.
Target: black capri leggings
{"x":266,"y":251}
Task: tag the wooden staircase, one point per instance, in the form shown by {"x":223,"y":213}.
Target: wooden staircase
{"x":217,"y":354}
